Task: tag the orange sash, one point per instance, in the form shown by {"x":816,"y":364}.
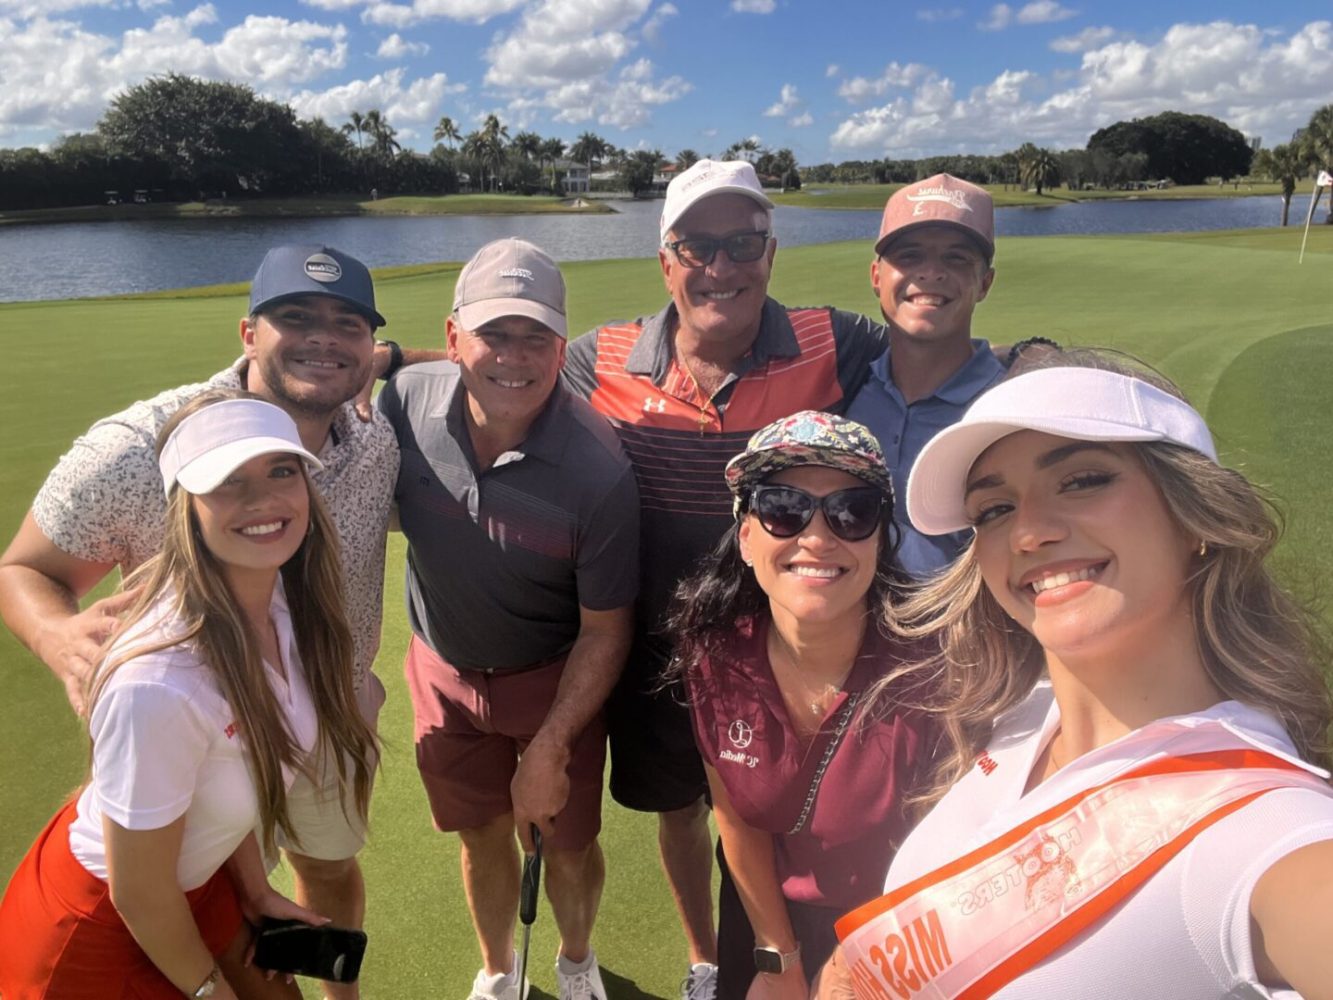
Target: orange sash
{"x":965,"y":930}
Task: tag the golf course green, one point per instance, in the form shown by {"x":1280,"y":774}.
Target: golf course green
{"x":1231,"y":315}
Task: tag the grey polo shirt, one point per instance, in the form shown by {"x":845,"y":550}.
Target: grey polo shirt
{"x":499,"y":562}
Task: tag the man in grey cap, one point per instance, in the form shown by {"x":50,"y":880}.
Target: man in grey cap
{"x":685,"y":389}
{"x":308,"y":346}
{"x":522,"y":517}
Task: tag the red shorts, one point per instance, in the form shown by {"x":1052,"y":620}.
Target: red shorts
{"x":470,"y":729}
{"x":60,"y":937}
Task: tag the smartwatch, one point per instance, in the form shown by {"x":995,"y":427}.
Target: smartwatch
{"x":774,"y":961}
{"x":395,"y":358}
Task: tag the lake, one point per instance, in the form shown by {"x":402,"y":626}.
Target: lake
{"x":73,"y":260}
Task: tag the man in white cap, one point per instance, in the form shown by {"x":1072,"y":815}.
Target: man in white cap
{"x":685,"y":389}
{"x":309,"y":346}
{"x":522,"y":523}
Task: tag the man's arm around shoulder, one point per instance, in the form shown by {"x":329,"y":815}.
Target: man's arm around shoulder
{"x":40,"y":588}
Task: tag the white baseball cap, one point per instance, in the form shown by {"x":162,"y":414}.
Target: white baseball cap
{"x":705,"y":179}
{"x":1085,"y":404}
{"x":210,"y":444}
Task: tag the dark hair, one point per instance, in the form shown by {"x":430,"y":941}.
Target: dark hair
{"x":723,"y":591}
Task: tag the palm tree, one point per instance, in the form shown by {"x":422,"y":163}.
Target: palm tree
{"x":493,"y":136}
{"x":743,"y":149}
{"x":588,"y":148}
{"x":356,"y":123}
{"x":551,"y":151}
{"x":447,"y":131}
{"x":686,"y":158}
{"x":1037,"y":168}
{"x":1317,"y":142}
{"x":382,"y":135}
{"x":527,"y":144}
{"x":1283,"y":164}
{"x":474,"y":149}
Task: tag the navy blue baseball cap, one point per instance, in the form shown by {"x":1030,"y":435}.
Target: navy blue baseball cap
{"x":289,"y":271}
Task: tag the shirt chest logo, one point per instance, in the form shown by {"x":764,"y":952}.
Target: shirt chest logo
{"x":741,"y":734}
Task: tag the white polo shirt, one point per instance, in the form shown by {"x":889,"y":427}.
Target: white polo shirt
{"x":166,"y":744}
{"x":1185,"y":934}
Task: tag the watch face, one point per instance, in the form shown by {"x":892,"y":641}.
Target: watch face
{"x":768,"y":960}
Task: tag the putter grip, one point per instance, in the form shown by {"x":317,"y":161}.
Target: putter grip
{"x":532,"y":878}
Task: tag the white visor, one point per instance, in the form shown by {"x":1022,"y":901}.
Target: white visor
{"x":1084,"y":404}
{"x":207,"y":446}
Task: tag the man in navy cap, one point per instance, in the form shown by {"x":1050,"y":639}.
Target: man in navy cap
{"x":308,"y":346}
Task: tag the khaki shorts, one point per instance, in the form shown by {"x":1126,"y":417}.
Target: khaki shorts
{"x":324,"y":830}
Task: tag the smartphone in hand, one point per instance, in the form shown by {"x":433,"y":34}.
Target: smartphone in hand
{"x":330,"y":953}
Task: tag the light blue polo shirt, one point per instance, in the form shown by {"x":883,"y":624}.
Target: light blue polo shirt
{"x":904,"y":429}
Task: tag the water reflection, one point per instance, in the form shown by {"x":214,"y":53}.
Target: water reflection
{"x":83,"y":259}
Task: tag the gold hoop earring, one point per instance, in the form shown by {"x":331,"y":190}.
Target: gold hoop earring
{"x":1203,"y":549}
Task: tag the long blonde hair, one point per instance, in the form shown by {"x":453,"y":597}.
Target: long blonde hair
{"x":1258,"y":645}
{"x":203,"y":612}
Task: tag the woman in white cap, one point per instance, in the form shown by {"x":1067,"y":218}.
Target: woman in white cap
{"x":778,"y":639}
{"x":231,"y":674}
{"x":1136,"y":803}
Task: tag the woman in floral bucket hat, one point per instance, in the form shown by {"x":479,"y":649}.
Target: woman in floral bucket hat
{"x":778,"y":637}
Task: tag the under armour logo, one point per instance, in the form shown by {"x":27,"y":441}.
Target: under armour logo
{"x":653,"y":406}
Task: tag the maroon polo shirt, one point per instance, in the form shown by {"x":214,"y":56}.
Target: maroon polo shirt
{"x":840,"y":857}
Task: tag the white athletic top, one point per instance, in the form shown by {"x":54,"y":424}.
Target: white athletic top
{"x":165,"y":743}
{"x":1186,"y":933}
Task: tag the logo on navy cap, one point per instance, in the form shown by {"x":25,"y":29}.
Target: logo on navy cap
{"x":322,"y":267}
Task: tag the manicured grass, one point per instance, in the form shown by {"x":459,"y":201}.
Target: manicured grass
{"x":873,"y":196}
{"x":1230,"y":315}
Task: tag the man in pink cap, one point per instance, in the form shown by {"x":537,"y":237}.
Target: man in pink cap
{"x":522,"y":524}
{"x":932,"y":267}
{"x":685,"y":389}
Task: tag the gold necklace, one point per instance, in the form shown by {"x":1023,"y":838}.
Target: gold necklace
{"x":698,"y":392}
{"x":816,"y":699}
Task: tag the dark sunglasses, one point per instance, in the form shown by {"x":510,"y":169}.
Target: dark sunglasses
{"x":851,"y":514}
{"x":699,"y":251}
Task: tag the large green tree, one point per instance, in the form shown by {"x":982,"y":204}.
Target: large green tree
{"x":1037,"y":168}
{"x":207,"y":135}
{"x":1317,"y":146}
{"x":1187,"y":149}
{"x":1284,"y":164}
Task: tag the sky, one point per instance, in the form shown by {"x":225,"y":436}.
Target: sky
{"x":831,"y":80}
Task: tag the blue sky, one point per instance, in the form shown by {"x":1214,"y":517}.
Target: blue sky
{"x":830,"y":80}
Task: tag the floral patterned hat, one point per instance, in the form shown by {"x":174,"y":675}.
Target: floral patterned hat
{"x":807,"y":438}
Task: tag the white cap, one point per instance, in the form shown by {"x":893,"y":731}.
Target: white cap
{"x":707,"y":178}
{"x":1085,"y":404}
{"x":210,"y":444}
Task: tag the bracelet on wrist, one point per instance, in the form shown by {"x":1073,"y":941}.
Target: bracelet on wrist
{"x":210,"y":983}
{"x":395,"y":358}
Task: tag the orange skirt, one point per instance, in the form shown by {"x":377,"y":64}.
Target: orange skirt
{"x":61,"y":939}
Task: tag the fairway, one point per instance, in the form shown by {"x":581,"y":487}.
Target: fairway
{"x":1231,"y":316}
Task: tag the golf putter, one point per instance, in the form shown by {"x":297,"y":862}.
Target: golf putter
{"x":527,"y":903}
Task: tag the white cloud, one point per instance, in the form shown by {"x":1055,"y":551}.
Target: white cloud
{"x":1037,"y":12}
{"x":417,"y":101}
{"x":933,"y":14}
{"x":786,"y":104}
{"x":801,"y":120}
{"x":1044,"y":12}
{"x":754,"y":6}
{"x":395,"y":47}
{"x":1000,"y":16}
{"x":831,"y":70}
{"x":47,"y":8}
{"x":1088,"y":38}
{"x":570,"y":57}
{"x":652,"y":27}
{"x":401,"y":15}
{"x":333,"y":4}
{"x":1259,"y":82}
{"x":895,"y":76}
{"x":147,"y":5}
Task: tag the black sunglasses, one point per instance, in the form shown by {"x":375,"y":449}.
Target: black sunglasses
{"x":851,"y":514}
{"x":699,"y":251}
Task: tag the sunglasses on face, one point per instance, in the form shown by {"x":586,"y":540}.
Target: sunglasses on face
{"x":699,"y":251}
{"x":851,"y":514}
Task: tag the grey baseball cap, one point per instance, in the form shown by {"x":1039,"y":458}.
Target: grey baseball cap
{"x":511,"y":278}
{"x":290,"y":271}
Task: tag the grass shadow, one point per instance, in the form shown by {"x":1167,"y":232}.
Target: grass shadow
{"x":622,"y":988}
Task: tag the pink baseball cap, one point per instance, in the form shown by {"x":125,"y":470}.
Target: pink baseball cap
{"x":1083,"y":404}
{"x":707,"y":178}
{"x":511,"y":277}
{"x":942,"y":200}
